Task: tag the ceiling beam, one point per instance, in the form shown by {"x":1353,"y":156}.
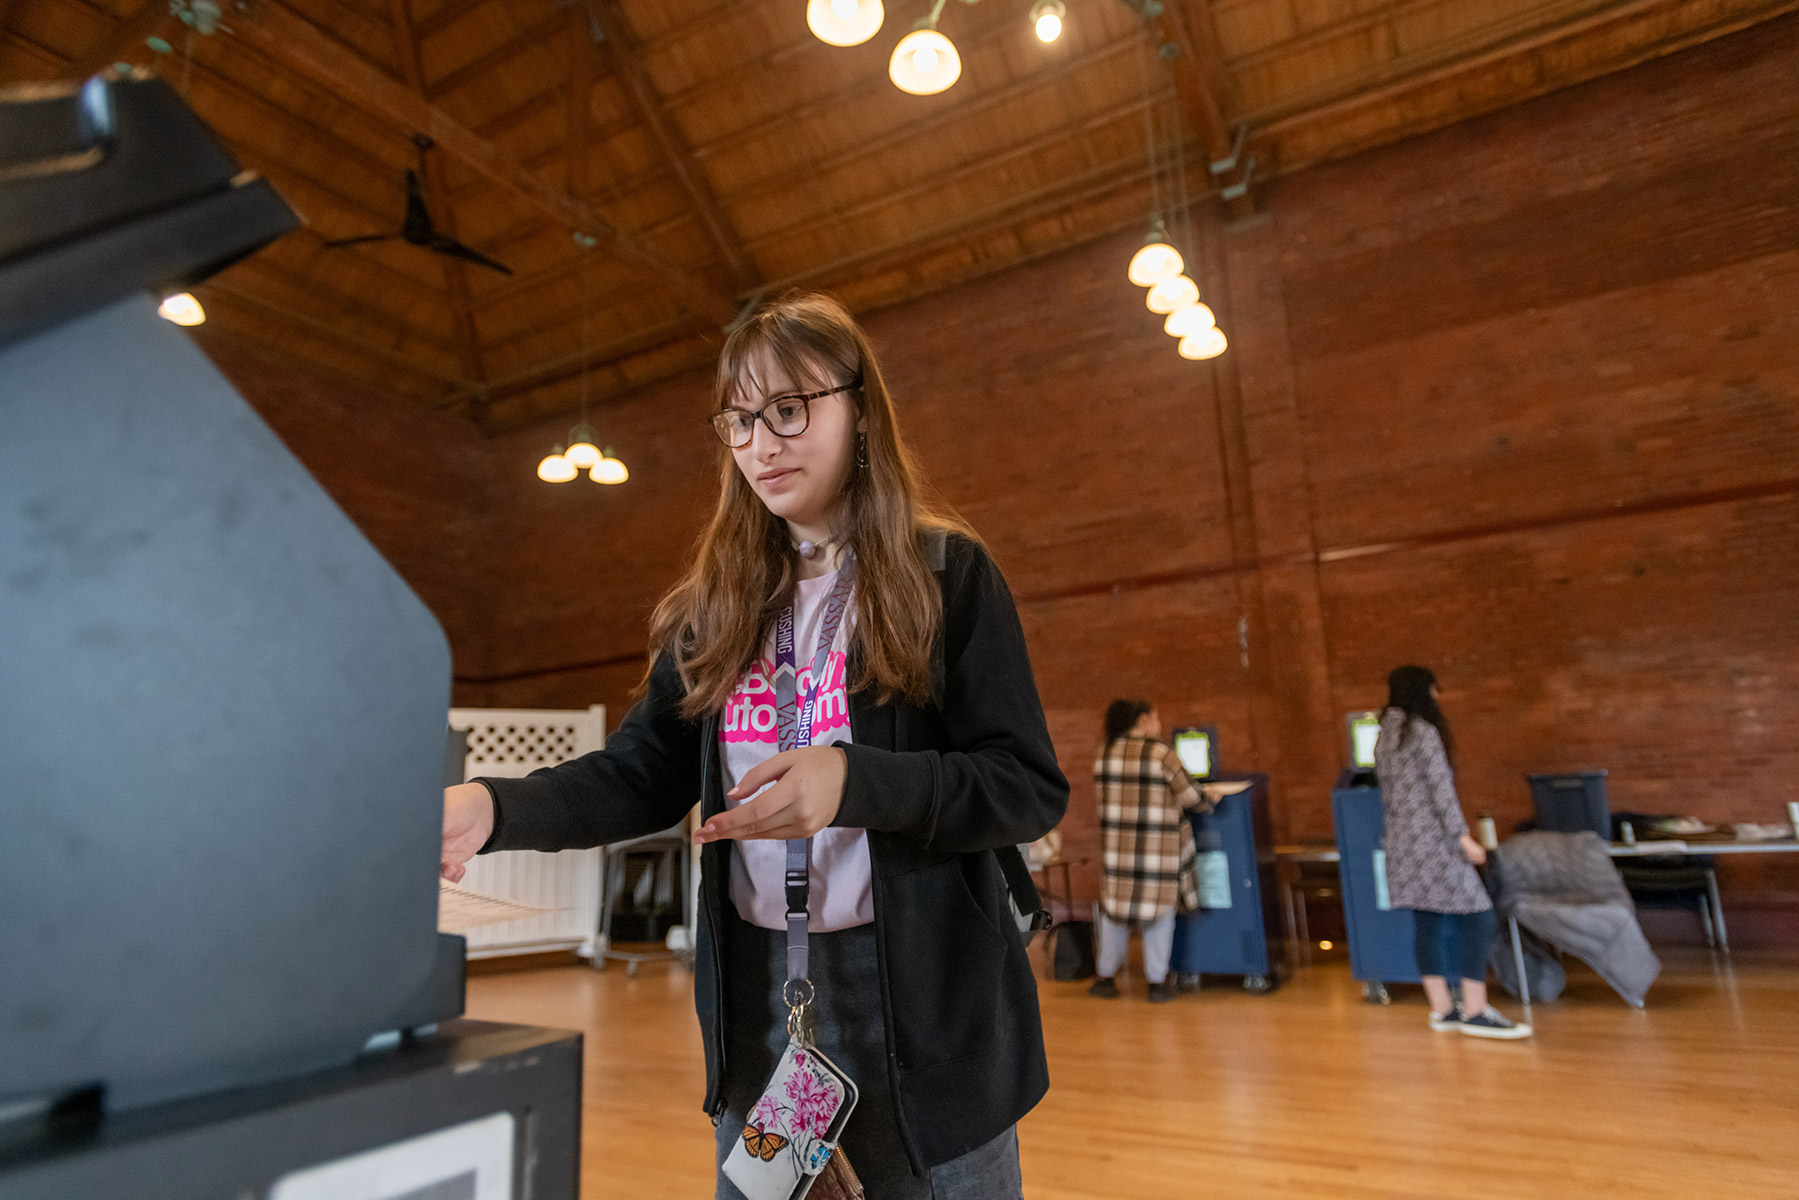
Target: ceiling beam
{"x":578,"y":110}
{"x":570,"y":366}
{"x":455,"y":271}
{"x":614,"y":38}
{"x":1330,"y":31}
{"x":974,"y":166}
{"x":1203,"y":83}
{"x":447,"y":14}
{"x":278,"y":33}
{"x":233,"y":294}
{"x":125,"y":38}
{"x":482,"y":63}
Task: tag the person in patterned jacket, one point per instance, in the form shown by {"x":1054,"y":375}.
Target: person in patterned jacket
{"x":1149,"y":864}
{"x":1431,"y":857}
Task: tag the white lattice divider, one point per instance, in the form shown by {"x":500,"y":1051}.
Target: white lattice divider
{"x":516,"y":741}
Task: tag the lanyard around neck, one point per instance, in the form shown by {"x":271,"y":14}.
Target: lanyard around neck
{"x":794,"y":716}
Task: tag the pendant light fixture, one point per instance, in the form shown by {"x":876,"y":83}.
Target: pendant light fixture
{"x":1157,"y":264}
{"x":182,"y":309}
{"x":844,"y":22}
{"x":1156,"y":260}
{"x":555,"y":467}
{"x":924,"y":63}
{"x":1185,"y":322}
{"x":1046,"y":19}
{"x":582,"y":454}
{"x":1209,"y":343}
{"x":1171,"y":294}
{"x":609,"y":470}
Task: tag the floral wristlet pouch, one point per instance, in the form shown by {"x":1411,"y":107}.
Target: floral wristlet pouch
{"x":794,"y":1127}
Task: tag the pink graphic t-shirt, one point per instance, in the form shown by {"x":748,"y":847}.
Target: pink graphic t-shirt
{"x":842,"y":883}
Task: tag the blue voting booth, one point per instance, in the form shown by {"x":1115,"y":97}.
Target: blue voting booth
{"x":1235,"y":930}
{"x":1380,"y":937}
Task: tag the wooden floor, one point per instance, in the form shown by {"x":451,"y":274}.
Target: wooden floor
{"x":1307,"y":1092}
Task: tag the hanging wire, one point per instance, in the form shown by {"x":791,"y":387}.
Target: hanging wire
{"x":1149,"y":121}
{"x":586,"y":343}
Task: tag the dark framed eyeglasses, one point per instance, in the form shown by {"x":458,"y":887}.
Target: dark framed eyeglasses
{"x":785,"y":416}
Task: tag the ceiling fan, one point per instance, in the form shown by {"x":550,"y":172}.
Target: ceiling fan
{"x":417,"y":227}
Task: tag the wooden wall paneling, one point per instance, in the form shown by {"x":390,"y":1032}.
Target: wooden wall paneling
{"x":616,"y":44}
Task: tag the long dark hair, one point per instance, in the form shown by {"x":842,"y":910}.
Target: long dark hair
{"x":1408,"y":690}
{"x":1121,"y":715}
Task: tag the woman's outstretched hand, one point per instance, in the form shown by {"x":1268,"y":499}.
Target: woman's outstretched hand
{"x":1477,"y":853}
{"x":807,"y":792}
{"x":468,"y":823}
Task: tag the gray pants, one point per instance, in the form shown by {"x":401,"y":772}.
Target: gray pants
{"x":1158,"y":946}
{"x":848,"y":1028}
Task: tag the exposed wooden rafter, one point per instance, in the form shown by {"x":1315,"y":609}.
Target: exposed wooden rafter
{"x":455,"y":271}
{"x":1202,"y":82}
{"x":621,"y":59}
{"x":278,"y":33}
{"x":125,"y":40}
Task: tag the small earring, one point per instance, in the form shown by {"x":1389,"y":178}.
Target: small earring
{"x":861,"y":451}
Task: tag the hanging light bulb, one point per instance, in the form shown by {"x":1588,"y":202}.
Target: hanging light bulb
{"x":609,"y":469}
{"x":581,"y":452}
{"x":844,"y":22}
{"x":924,"y":63}
{"x":1207,"y":343}
{"x":182,"y":309}
{"x":1185,"y":322}
{"x":1156,"y":261}
{"x":1172,"y":294}
{"x":555,"y":468}
{"x":1046,"y":18}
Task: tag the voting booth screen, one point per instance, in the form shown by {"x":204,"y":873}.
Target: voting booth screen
{"x":224,"y":712}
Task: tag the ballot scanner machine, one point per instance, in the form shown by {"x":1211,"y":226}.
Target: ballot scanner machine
{"x":224,"y":715}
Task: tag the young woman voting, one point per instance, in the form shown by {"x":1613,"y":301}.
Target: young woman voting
{"x":840,"y":682}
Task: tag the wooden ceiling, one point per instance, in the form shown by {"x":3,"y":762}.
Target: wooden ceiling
{"x":713,"y":150}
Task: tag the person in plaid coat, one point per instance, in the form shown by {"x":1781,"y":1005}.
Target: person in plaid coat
{"x":1149,"y":862}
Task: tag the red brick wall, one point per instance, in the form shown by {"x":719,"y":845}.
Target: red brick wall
{"x":1516,"y":400}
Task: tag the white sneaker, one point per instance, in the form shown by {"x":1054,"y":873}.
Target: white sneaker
{"x":1489,"y":1024}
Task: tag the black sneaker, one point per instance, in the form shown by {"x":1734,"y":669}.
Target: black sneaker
{"x":1450,"y":1020}
{"x":1162,"y":993}
{"x":1489,"y":1024}
{"x":1104,"y":987}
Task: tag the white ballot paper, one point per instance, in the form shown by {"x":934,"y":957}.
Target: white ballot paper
{"x":460,"y":910}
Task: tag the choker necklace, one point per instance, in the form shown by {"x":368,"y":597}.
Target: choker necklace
{"x":811,"y":549}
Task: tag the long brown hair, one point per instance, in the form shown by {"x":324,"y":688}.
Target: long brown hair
{"x":716,"y":619}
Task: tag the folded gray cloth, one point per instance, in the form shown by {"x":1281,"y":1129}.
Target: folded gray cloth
{"x":1564,"y":888}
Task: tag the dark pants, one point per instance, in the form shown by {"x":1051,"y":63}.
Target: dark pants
{"x":848,"y":1028}
{"x":1453,"y":945}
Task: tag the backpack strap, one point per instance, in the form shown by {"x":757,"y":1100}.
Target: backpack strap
{"x":1027,"y":905}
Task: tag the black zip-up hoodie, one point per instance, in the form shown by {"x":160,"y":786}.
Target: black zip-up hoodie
{"x":938,"y":787}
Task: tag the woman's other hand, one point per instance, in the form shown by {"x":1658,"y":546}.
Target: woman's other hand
{"x":1477,"y":853}
{"x":468,"y":823}
{"x":807,"y":792}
